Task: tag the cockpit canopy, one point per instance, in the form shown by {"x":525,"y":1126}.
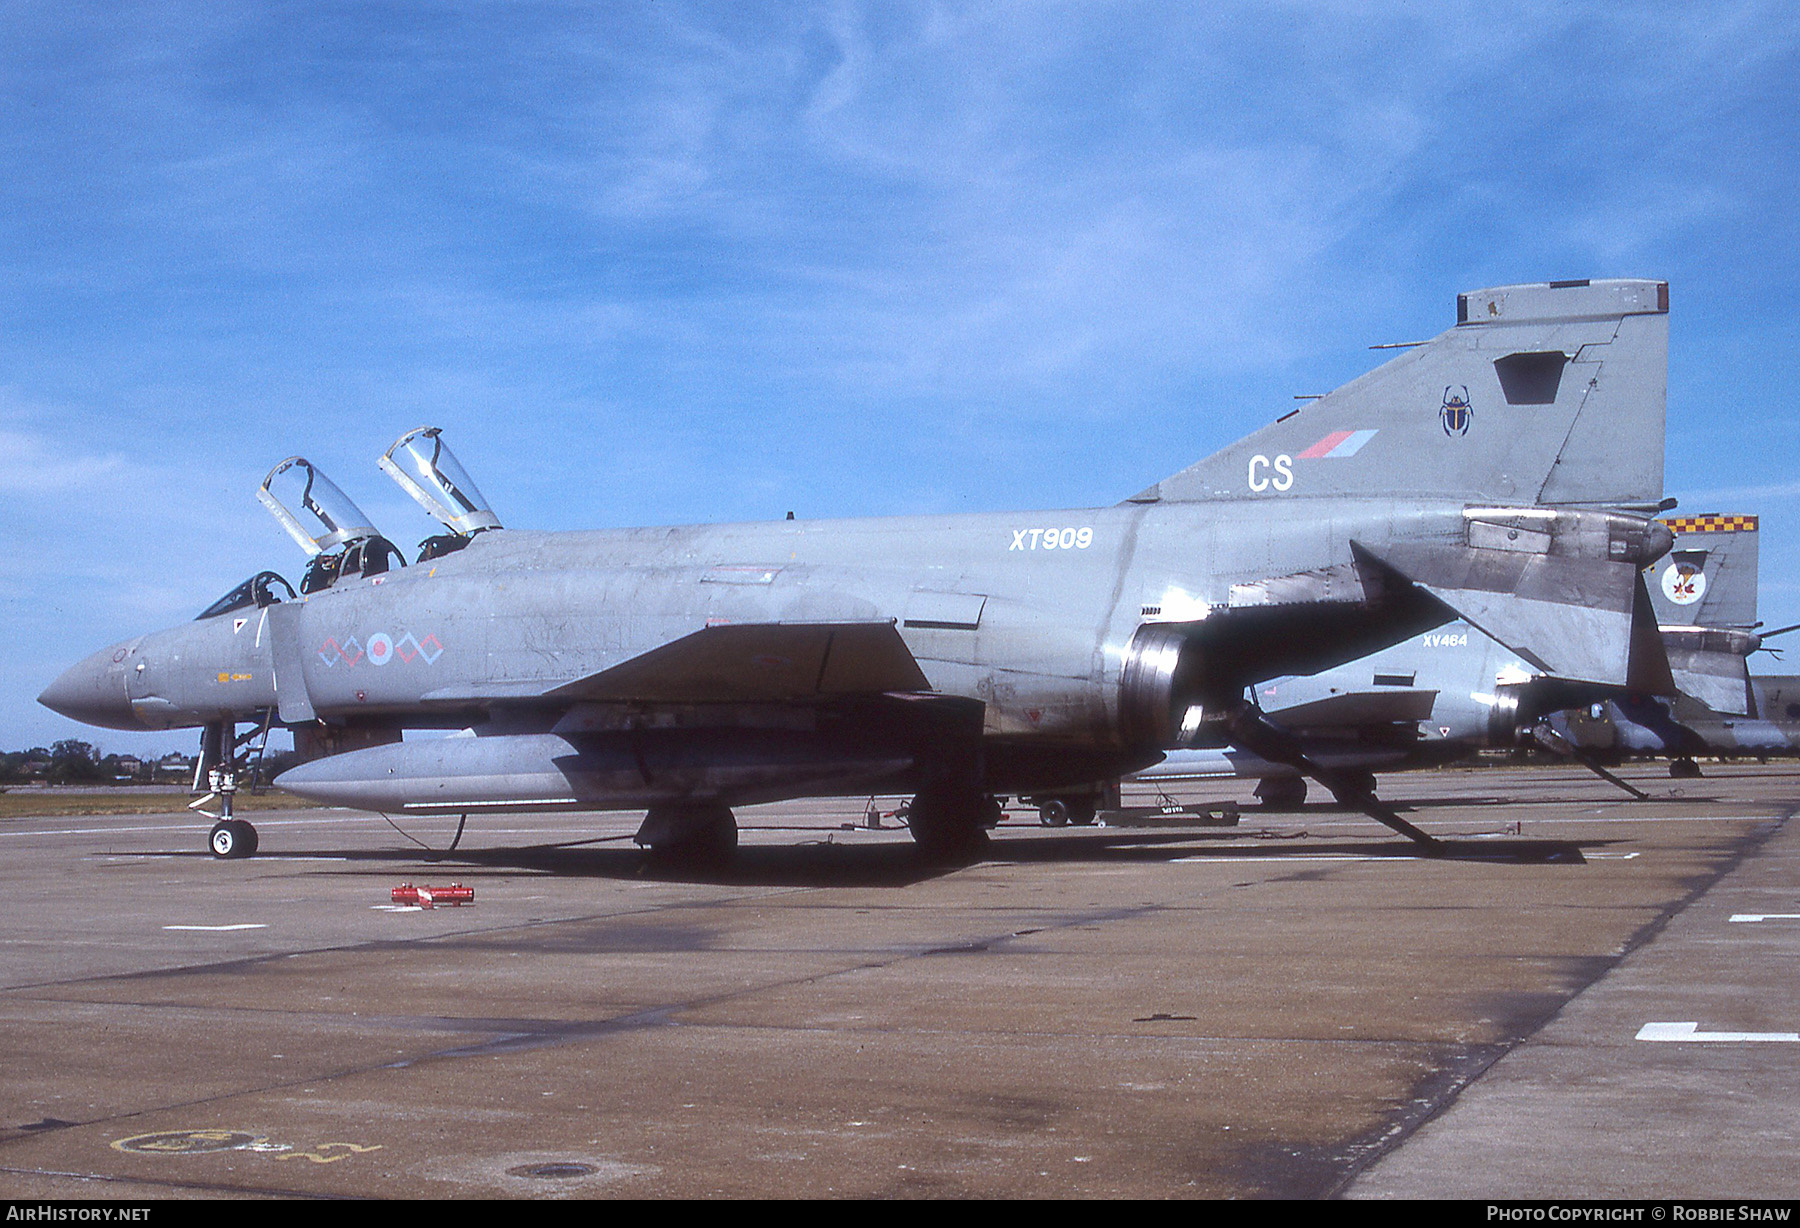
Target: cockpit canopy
{"x":327,"y":518}
{"x":428,"y":470}
{"x":256,"y":592}
{"x":328,"y":526}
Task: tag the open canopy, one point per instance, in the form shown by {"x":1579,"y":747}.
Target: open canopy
{"x":428,"y":470}
{"x":311,"y":508}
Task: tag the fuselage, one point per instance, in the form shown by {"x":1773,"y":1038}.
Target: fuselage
{"x":1030,"y":613}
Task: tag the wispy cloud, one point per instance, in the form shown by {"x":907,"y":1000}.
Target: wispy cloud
{"x":1741,"y":496}
{"x":36,"y":466}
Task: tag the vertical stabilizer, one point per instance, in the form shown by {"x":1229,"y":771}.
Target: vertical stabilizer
{"x":1709,"y":577}
{"x":1547,"y":393}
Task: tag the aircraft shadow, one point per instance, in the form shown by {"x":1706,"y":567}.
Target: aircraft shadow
{"x":1243,"y":846}
{"x":893,"y":865}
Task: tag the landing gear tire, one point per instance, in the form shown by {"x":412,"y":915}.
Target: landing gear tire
{"x":700,"y":833}
{"x":1684,"y":769}
{"x":232,"y":839}
{"x":1061,"y":811}
{"x":950,"y":825}
{"x":1282,"y":792}
{"x":1355,"y":781}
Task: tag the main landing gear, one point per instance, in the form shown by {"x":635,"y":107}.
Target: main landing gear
{"x":690,"y":833}
{"x":1283,"y":793}
{"x":1080,"y":809}
{"x":950,"y":825}
{"x":1255,"y":733}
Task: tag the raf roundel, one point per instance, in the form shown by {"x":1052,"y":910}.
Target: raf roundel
{"x":380,"y":648}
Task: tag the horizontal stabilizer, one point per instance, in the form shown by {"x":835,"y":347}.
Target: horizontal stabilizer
{"x":1571,"y":618}
{"x":760,"y":662}
{"x":1720,"y":680}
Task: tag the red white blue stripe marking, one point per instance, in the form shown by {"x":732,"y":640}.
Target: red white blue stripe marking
{"x":1337,"y":445}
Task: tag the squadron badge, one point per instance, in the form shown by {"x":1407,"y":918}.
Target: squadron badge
{"x":1683,"y":583}
{"x":1456,"y":413}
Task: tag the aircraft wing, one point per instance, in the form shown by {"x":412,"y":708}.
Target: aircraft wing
{"x":1400,"y":705}
{"x":760,"y":662}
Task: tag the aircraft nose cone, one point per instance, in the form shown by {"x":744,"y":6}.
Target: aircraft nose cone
{"x":92,"y":691}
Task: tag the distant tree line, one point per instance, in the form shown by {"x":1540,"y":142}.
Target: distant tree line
{"x":72,"y":762}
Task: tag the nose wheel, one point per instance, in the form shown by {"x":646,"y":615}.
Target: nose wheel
{"x":232,"y":839}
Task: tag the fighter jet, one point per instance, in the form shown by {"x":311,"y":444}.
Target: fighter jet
{"x":1452,"y":691}
{"x":1705,"y":597}
{"x":1505,"y":473}
{"x":1429,"y":700}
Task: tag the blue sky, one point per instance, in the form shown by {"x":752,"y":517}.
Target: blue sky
{"x":666,"y":262}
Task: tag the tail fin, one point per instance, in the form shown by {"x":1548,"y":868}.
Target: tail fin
{"x":1547,"y":393}
{"x":1705,"y":597}
{"x":1709,"y":577}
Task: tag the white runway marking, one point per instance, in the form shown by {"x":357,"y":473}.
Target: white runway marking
{"x":1691,"y":1031}
{"x":219,"y":929}
{"x":1765,"y":916}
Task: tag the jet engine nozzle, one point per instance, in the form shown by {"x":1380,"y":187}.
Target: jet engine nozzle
{"x":1160,"y":703}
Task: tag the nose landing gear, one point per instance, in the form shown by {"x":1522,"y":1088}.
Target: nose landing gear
{"x":231,"y":838}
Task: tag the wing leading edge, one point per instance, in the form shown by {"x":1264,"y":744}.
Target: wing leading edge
{"x":760,"y":662}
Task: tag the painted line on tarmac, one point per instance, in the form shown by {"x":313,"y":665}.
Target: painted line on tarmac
{"x":1691,"y":1032}
{"x":1765,"y":916}
{"x":108,"y":831}
{"x":220,"y":929}
{"x":102,"y":828}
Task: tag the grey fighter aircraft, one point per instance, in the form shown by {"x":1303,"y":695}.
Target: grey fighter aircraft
{"x":1705,"y":596}
{"x":1504,"y":472}
{"x":1440,"y":696}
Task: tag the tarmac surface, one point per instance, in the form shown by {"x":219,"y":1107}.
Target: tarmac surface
{"x":1298,"y":1006}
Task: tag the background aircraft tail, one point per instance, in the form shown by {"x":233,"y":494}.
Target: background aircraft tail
{"x":1549,"y":393}
{"x":1709,"y":578}
{"x":1704,"y":593}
